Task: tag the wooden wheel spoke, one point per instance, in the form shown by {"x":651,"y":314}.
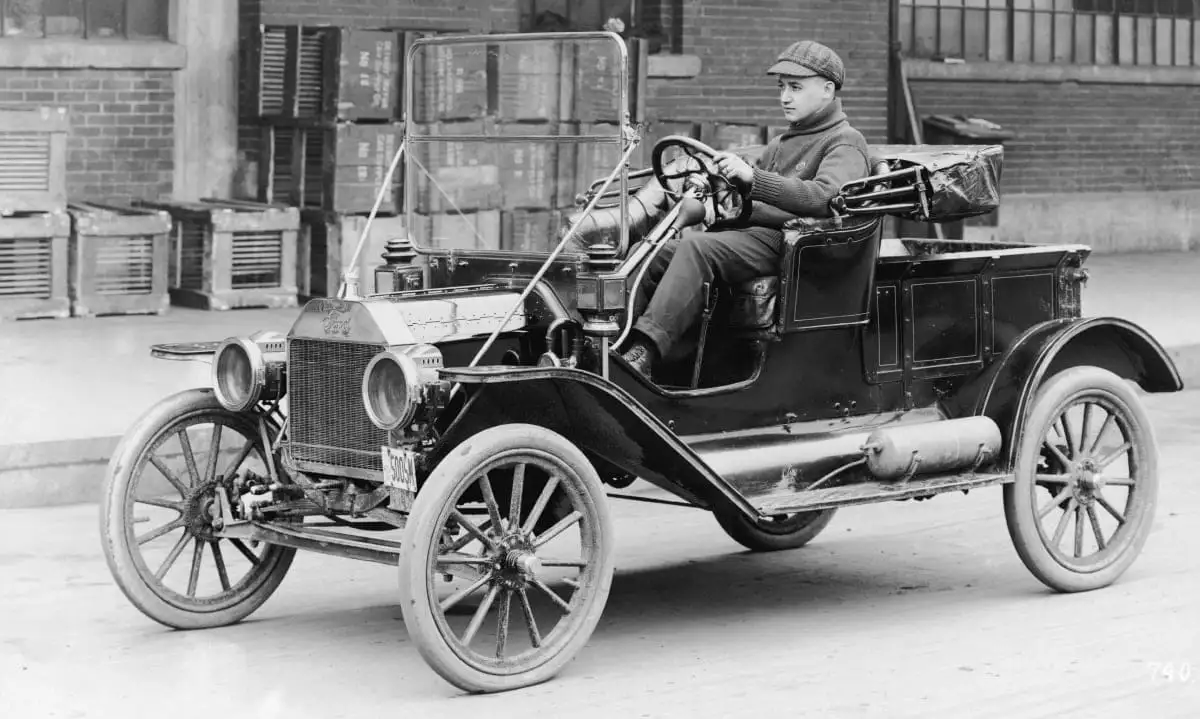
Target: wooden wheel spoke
{"x":164,"y":529}
{"x":161,"y":502}
{"x":561,"y":526}
{"x":473,"y":530}
{"x":219,"y":560}
{"x":1083,"y":430}
{"x":188,"y":456}
{"x":573,"y":584}
{"x":544,"y":499}
{"x":194,"y":579}
{"x":535,"y":637}
{"x":1108,"y":420}
{"x":172,"y":557}
{"x":214,"y":451}
{"x":562,"y":603}
{"x":1096,"y":531}
{"x":480,"y":614}
{"x":170,"y":475}
{"x":1066,"y":430}
{"x":518,"y":489}
{"x":1048,"y":507}
{"x":249,"y":555}
{"x":1063,"y":521}
{"x":563,"y":563}
{"x":1119,"y":481}
{"x":1100,"y":498}
{"x":502,"y":621}
{"x":465,"y":540}
{"x":1113,"y":456}
{"x":242,"y":454}
{"x":489,"y":500}
{"x":1062,"y":458}
{"x":449,"y":602}
{"x":1078,"y":531}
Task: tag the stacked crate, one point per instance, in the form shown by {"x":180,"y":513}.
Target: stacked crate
{"x":326,"y":104}
{"x":118,"y":259}
{"x":34,"y":226}
{"x":226,"y":254}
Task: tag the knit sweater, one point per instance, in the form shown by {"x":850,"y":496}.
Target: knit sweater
{"x":800,"y":171}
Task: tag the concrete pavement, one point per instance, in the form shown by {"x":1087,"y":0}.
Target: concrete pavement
{"x":69,"y":388}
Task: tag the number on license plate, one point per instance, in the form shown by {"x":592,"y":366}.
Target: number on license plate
{"x":400,"y":468}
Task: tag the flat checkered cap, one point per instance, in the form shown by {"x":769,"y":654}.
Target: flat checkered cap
{"x":808,"y":58}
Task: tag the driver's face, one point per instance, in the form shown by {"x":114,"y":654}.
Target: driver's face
{"x":802,"y":97}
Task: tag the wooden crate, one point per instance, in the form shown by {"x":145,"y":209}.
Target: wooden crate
{"x":323,"y":72}
{"x":118,"y":260}
{"x":226,"y":254}
{"x":33,"y":265}
{"x":327,"y":244}
{"x":336,"y":169}
{"x":33,"y":160}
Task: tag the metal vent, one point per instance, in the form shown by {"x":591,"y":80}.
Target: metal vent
{"x":124,"y":266}
{"x":25,"y":267}
{"x":24,"y":161}
{"x":310,"y":81}
{"x":191,"y":255}
{"x":328,"y":423}
{"x":257,"y":260}
{"x":272,"y":70}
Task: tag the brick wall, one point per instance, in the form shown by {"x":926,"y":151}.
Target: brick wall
{"x":121,"y":144}
{"x":737,"y":40}
{"x":1082,"y":137}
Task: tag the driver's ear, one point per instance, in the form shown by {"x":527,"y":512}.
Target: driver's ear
{"x":830,"y":90}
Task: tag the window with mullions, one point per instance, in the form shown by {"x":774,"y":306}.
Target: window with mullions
{"x":1084,"y":32}
{"x":89,"y":19}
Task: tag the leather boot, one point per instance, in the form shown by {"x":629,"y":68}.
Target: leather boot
{"x":641,"y":357}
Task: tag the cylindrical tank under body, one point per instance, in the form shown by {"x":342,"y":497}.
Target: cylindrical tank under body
{"x":896,"y":452}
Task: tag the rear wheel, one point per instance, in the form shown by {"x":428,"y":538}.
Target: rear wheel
{"x":530,"y":591}
{"x":1085,"y":483}
{"x":785,"y":531}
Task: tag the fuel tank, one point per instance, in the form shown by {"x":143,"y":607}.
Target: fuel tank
{"x":895,"y":452}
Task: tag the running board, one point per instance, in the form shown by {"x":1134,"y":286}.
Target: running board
{"x":872,"y":492}
{"x":339,"y":544}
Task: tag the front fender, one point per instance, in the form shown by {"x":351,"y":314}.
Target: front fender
{"x":1005,"y":390}
{"x":602,"y":419}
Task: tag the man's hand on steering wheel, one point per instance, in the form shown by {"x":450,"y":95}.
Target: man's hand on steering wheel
{"x":725,"y":195}
{"x":734,"y":168}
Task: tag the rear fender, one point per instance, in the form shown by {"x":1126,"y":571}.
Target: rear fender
{"x":1005,"y":390}
{"x":602,"y":419}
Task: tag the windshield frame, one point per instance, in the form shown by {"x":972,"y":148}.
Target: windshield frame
{"x":414,"y":140}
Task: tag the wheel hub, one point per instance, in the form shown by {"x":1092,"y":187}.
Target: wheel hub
{"x":202,"y":512}
{"x":1087,"y":481}
{"x":516,"y":561}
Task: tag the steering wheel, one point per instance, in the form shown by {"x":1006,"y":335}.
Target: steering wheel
{"x":730,"y":203}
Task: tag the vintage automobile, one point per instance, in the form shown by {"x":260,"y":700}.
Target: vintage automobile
{"x":476,"y":402}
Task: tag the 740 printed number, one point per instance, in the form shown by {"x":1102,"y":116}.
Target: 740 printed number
{"x":1171,"y":672}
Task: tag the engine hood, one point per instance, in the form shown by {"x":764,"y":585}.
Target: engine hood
{"x":409,"y":320}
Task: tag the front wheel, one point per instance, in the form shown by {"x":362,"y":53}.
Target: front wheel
{"x":786,"y":531}
{"x":158,"y":511}
{"x":517,"y":514}
{"x":1085,"y":484}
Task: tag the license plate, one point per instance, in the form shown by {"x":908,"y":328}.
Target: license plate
{"x":400,"y":468}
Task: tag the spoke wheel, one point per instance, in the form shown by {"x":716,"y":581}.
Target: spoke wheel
{"x":786,"y":531}
{"x":516,"y":519}
{"x":1086,"y":483}
{"x":159,"y":508}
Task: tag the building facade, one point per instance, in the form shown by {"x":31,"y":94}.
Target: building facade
{"x":1099,"y":93}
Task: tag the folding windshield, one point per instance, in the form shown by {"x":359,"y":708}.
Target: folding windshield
{"x":504,"y":131}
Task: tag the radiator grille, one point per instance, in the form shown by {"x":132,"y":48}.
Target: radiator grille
{"x":24,"y":161}
{"x":327,"y":421}
{"x":25,"y":267}
{"x":124,"y":266}
{"x":257,"y":260}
